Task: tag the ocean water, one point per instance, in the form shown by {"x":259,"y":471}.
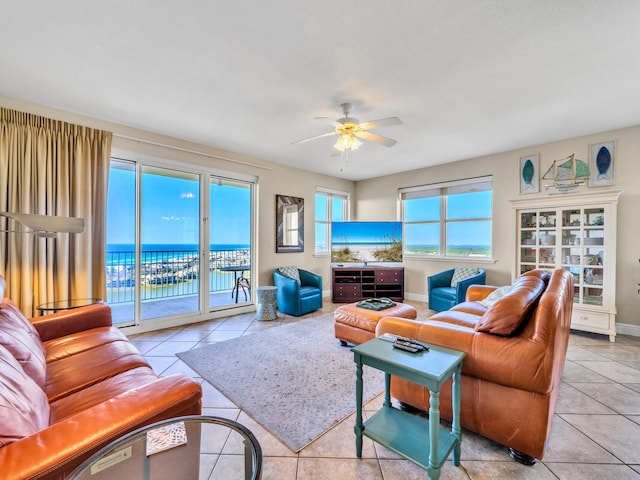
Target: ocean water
{"x":123,"y":254}
{"x":120,"y":247}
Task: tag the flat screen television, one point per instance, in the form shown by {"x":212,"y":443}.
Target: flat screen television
{"x":366,"y":242}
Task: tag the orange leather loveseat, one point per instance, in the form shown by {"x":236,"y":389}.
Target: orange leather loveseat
{"x":515,"y":345}
{"x":70,"y":383}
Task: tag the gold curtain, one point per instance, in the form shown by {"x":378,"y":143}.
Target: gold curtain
{"x":49,"y":167}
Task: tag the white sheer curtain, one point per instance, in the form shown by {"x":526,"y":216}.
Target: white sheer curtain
{"x":49,"y":167}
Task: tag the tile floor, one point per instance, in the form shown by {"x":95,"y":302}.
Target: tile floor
{"x":595,"y":431}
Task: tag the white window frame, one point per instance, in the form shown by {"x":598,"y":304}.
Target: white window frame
{"x":442,"y":190}
{"x":329,"y":194}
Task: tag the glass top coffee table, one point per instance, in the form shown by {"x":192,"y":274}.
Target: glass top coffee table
{"x":67,"y":304}
{"x":185,"y":448}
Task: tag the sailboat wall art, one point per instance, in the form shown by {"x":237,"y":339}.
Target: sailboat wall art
{"x":529,"y":174}
{"x":601,"y":164}
{"x":566,"y":174}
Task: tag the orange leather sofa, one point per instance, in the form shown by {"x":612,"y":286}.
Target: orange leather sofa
{"x":70,"y":383}
{"x":515,"y":353}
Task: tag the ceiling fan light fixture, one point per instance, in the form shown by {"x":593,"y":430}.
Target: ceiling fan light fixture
{"x":347,"y":141}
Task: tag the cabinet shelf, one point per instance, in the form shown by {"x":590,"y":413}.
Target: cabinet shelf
{"x":353,"y":284}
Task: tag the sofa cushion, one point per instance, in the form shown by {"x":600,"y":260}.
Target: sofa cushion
{"x":77,"y":372}
{"x":74,"y":343}
{"x":19,"y":336}
{"x":462,"y":273}
{"x":291,"y":272}
{"x":510,"y":312}
{"x":24,"y":409}
{"x":100,"y":392}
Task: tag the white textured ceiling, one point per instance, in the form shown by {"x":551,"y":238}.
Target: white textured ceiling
{"x":467,"y":77}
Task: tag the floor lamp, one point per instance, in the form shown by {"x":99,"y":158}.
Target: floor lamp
{"x":46,"y":226}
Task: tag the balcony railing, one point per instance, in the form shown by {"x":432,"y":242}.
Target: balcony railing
{"x":168,"y":273}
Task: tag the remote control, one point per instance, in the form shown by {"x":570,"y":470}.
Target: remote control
{"x":413,"y":342}
{"x":404,"y":346}
{"x":410,"y":345}
{"x":389,"y":337}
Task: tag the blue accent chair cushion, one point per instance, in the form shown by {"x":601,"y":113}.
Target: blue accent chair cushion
{"x":298,"y":298}
{"x":442,"y":296}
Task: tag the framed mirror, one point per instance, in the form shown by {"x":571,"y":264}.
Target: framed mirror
{"x":289,"y":224}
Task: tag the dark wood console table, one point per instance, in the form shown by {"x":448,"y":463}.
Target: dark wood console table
{"x":352,"y":284}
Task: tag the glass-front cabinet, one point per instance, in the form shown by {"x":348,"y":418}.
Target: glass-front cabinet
{"x":576,"y":233}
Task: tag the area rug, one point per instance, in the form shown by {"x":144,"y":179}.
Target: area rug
{"x":295,"y":380}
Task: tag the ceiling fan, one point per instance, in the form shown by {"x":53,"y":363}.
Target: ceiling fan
{"x":351,"y":130}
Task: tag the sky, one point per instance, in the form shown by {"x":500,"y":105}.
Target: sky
{"x":365,"y":232}
{"x":465,"y":205}
{"x":170,"y":210}
{"x":170,"y":213}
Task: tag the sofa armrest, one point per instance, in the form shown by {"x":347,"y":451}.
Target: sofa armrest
{"x":55,"y":451}
{"x":310,"y":279}
{"x":516,"y":361}
{"x":76,"y":320}
{"x":476,"y":293}
{"x":438,"y":280}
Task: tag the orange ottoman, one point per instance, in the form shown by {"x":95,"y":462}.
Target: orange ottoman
{"x":357,"y":325}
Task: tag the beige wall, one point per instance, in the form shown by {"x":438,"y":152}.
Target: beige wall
{"x":377,"y":200}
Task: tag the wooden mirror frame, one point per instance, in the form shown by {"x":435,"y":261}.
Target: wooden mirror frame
{"x":286,"y":239}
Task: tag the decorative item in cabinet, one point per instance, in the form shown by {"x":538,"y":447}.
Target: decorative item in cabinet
{"x":571,"y":218}
{"x":528,"y":255}
{"x":547,"y":219}
{"x":571,"y":256}
{"x":594,"y":217}
{"x":570,"y":236}
{"x":528,"y":220}
{"x":547,"y":238}
{"x":547,"y":257}
{"x":593,"y":238}
{"x":528,"y":238}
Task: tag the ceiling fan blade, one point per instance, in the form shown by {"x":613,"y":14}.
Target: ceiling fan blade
{"x":330,"y":121}
{"x":383,"y":122}
{"x":315,"y":138}
{"x":374,"y":137}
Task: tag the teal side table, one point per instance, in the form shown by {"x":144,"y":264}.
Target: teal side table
{"x":423,"y":441}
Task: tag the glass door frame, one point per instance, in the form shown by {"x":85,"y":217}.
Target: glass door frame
{"x":205,"y":174}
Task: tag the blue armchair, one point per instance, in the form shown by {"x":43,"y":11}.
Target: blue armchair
{"x":298,"y":298}
{"x":442,"y":296}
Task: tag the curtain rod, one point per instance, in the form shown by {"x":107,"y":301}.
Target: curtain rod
{"x":188,"y":150}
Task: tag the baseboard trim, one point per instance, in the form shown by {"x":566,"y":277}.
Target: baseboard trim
{"x":416,"y":297}
{"x":628,"y":329}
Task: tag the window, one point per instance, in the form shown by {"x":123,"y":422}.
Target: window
{"x":331,"y":206}
{"x":450,"y":219}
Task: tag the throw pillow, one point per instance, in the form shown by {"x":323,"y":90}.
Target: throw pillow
{"x":496,"y":295}
{"x":291,"y":272}
{"x":462,"y":273}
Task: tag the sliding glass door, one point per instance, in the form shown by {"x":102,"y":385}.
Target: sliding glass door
{"x":170,"y":240}
{"x":230,"y":215}
{"x":172,"y":235}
